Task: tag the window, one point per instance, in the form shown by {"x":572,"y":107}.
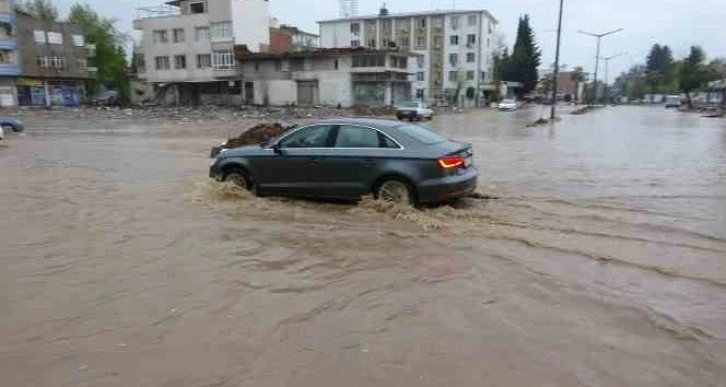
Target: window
{"x":454,"y":40}
{"x":420,"y":94}
{"x":257,"y":67}
{"x":437,"y":22}
{"x":336,"y":64}
{"x":404,"y":42}
{"x":355,"y":28}
{"x":204,"y":61}
{"x":489,"y":42}
{"x":221,"y":30}
{"x":78,"y":40}
{"x":470,"y":57}
{"x":310,"y":137}
{"x":453,"y":59}
{"x":197,"y":7}
{"x":452,"y":76}
{"x":421,"y":134}
{"x":178,"y":35}
{"x":369,"y":61}
{"x":372,"y":43}
{"x":470,"y":40}
{"x":438,"y":41}
{"x":42,"y":61}
{"x":421,"y":22}
{"x":356,"y":137}
{"x":141,"y":67}
{"x":355,"y":43}
{"x":278,"y":65}
{"x":55,"y":38}
{"x":82,"y":63}
{"x":222,"y":59}
{"x":201,"y":34}
{"x":420,"y":76}
{"x":454,"y":22}
{"x":180,"y":62}
{"x":471,"y":20}
{"x":58,"y":62}
{"x":469,"y":75}
{"x":160,"y":36}
{"x":162,"y":63}
{"x":399,"y":62}
{"x":421,"y":42}
{"x":39,"y":36}
{"x":420,"y":61}
{"x":483,"y":75}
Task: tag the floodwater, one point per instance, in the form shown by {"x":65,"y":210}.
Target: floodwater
{"x":599,"y":261}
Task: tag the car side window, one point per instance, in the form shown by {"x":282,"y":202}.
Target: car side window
{"x":358,"y":137}
{"x":311,"y":137}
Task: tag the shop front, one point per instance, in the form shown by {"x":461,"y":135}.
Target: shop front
{"x":36,"y":92}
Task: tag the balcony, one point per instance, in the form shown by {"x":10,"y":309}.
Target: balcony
{"x":159,"y":11}
{"x":9,"y":69}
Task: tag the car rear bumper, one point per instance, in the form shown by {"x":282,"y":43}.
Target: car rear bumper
{"x":448,"y":188}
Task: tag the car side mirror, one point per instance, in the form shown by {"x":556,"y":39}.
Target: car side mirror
{"x":276,"y":148}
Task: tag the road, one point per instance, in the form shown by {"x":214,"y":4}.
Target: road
{"x":599,"y":261}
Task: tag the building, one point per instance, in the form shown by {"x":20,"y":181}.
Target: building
{"x":54,"y":62}
{"x":333,"y":77}
{"x":454,"y":49}
{"x":286,"y":38}
{"x":568,"y":88}
{"x":187,"y":47}
{"x":9,"y":58}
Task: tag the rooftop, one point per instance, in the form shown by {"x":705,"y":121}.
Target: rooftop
{"x":409,"y":14}
{"x":241,"y":52}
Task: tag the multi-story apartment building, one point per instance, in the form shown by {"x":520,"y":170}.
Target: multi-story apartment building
{"x":54,"y":62}
{"x":187,"y":46}
{"x":9,"y":59}
{"x":454,"y":49}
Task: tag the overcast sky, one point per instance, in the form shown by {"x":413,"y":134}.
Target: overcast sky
{"x":677,"y":23}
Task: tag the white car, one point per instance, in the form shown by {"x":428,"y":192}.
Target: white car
{"x":414,"y":111}
{"x":507,"y":105}
{"x":2,"y":135}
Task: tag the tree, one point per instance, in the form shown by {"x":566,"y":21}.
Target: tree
{"x":632,"y":83}
{"x":110,"y":56}
{"x":693,"y":73}
{"x":659,"y":67}
{"x":578,"y":76}
{"x":525,"y":59}
{"x":41,"y":9}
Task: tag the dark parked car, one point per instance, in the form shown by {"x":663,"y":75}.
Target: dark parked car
{"x":349,"y":158}
{"x":11,"y":124}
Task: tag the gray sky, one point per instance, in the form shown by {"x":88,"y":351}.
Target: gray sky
{"x":677,"y":23}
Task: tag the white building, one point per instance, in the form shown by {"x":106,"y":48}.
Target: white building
{"x":331,"y":77}
{"x":454,"y":49}
{"x":187,"y":46}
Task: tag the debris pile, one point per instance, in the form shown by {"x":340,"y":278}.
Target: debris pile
{"x":257,"y":134}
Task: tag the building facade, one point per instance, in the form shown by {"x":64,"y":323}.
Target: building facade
{"x":9,"y":57}
{"x":187,"y":46}
{"x":54,"y":62}
{"x":454,"y":49}
{"x":286,"y":38}
{"x":332,"y":77}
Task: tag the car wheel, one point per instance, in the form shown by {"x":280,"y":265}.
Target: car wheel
{"x":239,"y":178}
{"x":396,"y":191}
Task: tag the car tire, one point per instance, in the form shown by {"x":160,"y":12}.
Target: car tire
{"x":240,"y":178}
{"x":395,"y":190}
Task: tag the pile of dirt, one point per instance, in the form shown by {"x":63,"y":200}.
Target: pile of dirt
{"x":257,"y":134}
{"x":370,"y":111}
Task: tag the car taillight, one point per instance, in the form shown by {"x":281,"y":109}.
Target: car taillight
{"x":448,"y":162}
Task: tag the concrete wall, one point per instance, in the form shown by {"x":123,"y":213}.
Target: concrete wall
{"x":336,"y":34}
{"x":251,"y":23}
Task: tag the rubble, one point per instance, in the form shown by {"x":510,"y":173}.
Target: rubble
{"x":257,"y":134}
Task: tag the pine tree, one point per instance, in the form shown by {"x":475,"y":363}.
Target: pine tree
{"x":525,"y":58}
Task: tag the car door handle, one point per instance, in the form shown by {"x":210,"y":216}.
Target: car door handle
{"x":369,"y":163}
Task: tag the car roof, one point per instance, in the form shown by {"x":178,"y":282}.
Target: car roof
{"x":379,"y":123}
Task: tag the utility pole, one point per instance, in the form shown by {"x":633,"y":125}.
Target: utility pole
{"x":607,"y":67}
{"x":557,"y":64}
{"x":597,"y":55}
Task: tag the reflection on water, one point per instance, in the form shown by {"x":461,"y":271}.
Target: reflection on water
{"x":597,"y":243}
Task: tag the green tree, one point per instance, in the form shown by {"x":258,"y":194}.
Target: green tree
{"x":110,"y":56}
{"x":693,"y":73}
{"x":41,"y":9}
{"x":659,"y":67}
{"x":578,"y":76}
{"x":525,"y":59}
{"x":632,"y":83}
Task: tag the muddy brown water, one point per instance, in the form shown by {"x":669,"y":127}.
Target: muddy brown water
{"x":602,"y":262}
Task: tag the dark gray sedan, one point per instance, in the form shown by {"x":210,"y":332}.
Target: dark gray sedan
{"x":352,"y":157}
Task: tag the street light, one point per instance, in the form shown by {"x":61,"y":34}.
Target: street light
{"x":607,"y":63}
{"x":597,"y":56}
{"x":557,"y":65}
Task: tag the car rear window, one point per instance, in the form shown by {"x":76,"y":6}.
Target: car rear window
{"x":410,"y":105}
{"x":421,"y":134}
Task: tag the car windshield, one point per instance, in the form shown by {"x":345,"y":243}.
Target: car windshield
{"x":508,"y":101}
{"x":410,"y":105}
{"x":422,"y":134}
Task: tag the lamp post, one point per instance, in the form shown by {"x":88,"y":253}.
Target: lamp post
{"x":597,"y":55}
{"x":557,"y":64}
{"x":607,"y":66}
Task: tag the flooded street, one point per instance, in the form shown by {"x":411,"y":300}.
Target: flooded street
{"x":599,"y":261}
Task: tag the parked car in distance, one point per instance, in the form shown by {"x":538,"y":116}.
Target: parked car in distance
{"x":12,"y":124}
{"x":414,"y":111}
{"x":673,"y":101}
{"x":507,"y":105}
{"x":352,"y":157}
